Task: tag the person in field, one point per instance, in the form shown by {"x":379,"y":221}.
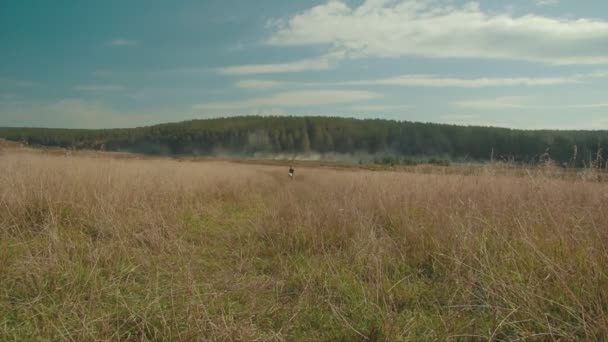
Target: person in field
{"x":291,"y":172}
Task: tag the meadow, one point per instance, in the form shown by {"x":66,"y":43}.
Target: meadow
{"x":100,"y":248}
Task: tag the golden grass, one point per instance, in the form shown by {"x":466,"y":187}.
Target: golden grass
{"x":95,"y":248}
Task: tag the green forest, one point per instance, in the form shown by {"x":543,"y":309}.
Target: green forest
{"x":249,"y":136}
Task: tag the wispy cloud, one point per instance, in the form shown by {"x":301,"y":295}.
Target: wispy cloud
{"x":325,"y":62}
{"x":440,"y":81}
{"x":542,"y":3}
{"x":259,"y":84}
{"x":435,"y":81}
{"x":411,"y":80}
{"x":379,"y":108}
{"x":296,"y":99}
{"x":520,"y":102}
{"x":65,"y":113}
{"x":504,"y":102}
{"x":12,"y":83}
{"x":588,"y":105}
{"x":24,"y":84}
{"x":99,"y":87}
{"x":81,"y":113}
{"x":185,"y":71}
{"x":297,"y":66}
{"x":123,"y":42}
{"x":441,"y":28}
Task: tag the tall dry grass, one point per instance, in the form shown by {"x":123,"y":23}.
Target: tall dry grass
{"x":95,"y":248}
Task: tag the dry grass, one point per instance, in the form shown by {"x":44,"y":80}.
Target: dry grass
{"x":95,"y":248}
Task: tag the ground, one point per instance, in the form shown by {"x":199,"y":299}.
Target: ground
{"x":95,"y":247}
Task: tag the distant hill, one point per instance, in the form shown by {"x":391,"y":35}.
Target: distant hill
{"x":291,"y":136}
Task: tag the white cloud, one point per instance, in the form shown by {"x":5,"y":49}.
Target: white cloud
{"x":123,"y":42}
{"x":504,"y":102}
{"x":596,"y":74}
{"x":322,"y":63}
{"x":439,"y":28}
{"x":379,"y":108}
{"x":296,"y":99}
{"x":439,"y":81}
{"x":520,"y":102}
{"x":598,"y":105}
{"x":176,"y":71}
{"x":541,"y":3}
{"x":99,"y":87}
{"x":258,"y":84}
{"x":434,"y":81}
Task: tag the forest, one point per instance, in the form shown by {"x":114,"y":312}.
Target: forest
{"x":251,"y":136}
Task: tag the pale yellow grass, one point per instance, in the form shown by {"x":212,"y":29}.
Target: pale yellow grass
{"x":96,"y":248}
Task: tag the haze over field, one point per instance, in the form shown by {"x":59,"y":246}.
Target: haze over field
{"x":521,"y":64}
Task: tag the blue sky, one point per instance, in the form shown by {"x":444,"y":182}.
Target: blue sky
{"x":99,"y":64}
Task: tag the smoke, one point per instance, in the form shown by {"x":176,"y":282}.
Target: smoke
{"x":355,"y":157}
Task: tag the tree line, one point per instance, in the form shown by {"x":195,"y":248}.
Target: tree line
{"x":255,"y":135}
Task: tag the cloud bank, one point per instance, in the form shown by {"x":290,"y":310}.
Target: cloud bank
{"x":441,"y":29}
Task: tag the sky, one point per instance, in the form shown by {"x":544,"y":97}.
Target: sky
{"x":528,"y":64}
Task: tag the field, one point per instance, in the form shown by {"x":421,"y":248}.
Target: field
{"x":101,"y":248}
